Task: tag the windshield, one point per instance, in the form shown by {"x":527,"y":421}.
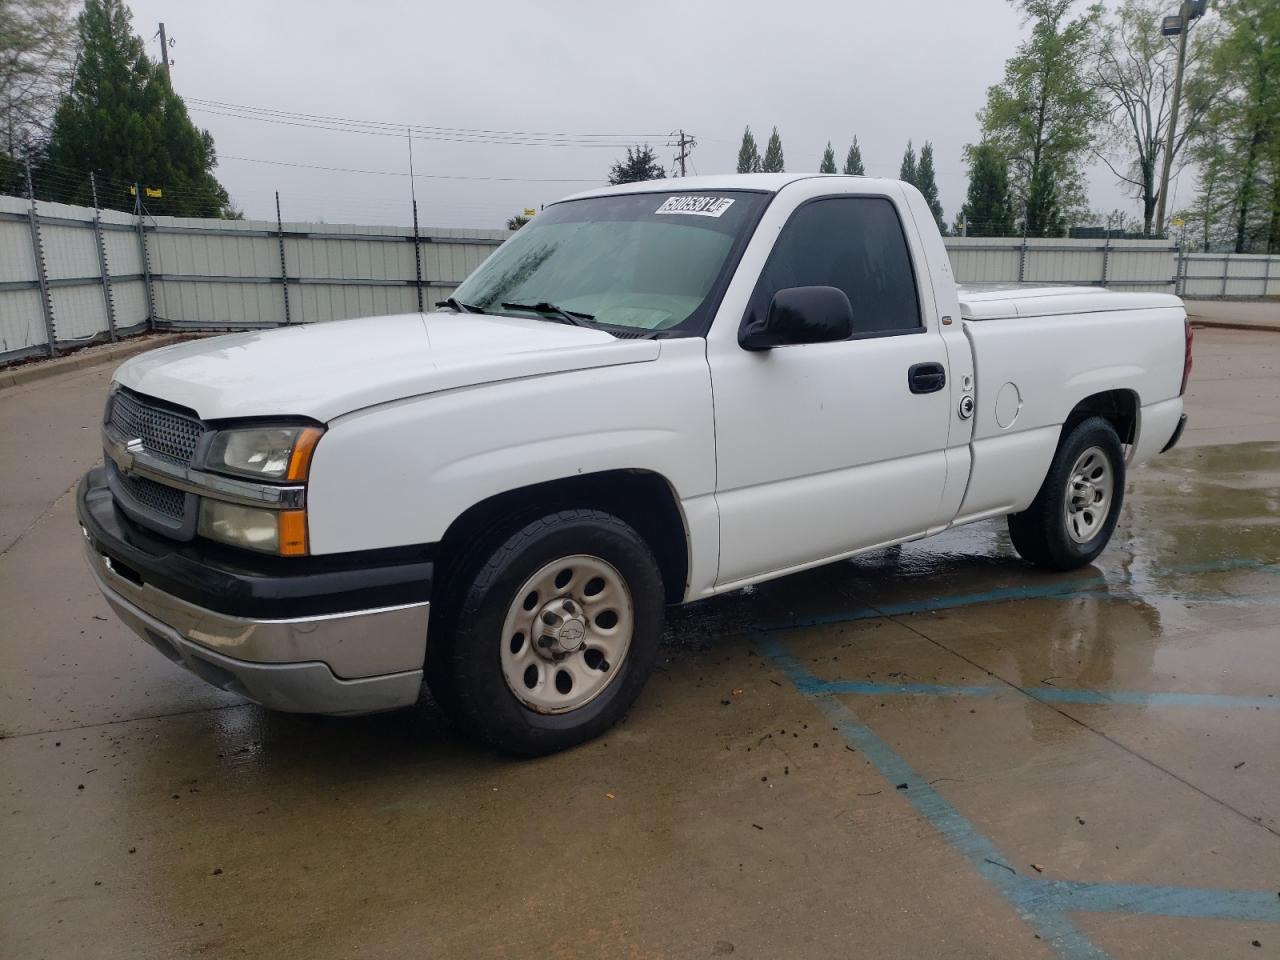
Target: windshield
{"x":647,"y":261}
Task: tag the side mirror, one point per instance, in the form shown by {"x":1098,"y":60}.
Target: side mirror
{"x":801,"y":315}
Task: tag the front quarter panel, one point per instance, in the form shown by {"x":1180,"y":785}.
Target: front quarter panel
{"x":400,"y":473}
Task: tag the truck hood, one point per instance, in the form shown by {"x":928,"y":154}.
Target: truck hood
{"x":323,"y":370}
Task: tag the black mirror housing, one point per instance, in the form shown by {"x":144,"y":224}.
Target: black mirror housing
{"x":801,"y":315}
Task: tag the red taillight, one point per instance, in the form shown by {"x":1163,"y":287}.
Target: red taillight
{"x":1186,"y":357}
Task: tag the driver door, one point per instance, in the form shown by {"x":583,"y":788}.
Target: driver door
{"x":824,"y":449}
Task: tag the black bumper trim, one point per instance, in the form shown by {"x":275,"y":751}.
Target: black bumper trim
{"x":242,"y":584}
{"x":1177,"y":434}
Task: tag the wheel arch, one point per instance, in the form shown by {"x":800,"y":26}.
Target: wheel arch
{"x":1119,"y":407}
{"x":642,"y":498}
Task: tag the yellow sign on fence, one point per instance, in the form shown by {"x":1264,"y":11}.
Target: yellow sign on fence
{"x":151,"y":193}
{"x":530,"y":212}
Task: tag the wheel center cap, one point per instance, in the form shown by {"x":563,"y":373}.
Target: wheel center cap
{"x":562,"y":628}
{"x":572,"y":633}
{"x":1084,"y":494}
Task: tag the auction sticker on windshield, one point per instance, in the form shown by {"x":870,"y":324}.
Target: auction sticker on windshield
{"x":696,"y":206}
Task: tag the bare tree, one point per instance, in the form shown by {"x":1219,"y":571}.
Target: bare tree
{"x":1135,"y":76}
{"x":37,"y":48}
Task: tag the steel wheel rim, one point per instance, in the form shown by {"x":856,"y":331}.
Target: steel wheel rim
{"x":566,"y":634}
{"x":1090,"y":487}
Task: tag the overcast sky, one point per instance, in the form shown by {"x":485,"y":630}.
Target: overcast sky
{"x":885,"y":71}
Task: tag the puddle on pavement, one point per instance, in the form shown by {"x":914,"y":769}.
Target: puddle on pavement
{"x":1199,"y":526}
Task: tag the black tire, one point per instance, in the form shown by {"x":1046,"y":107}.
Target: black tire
{"x":1041,"y":534}
{"x":464,"y":667}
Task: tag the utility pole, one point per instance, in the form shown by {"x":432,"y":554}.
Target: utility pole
{"x":417,"y":245}
{"x":686,"y":143}
{"x":164,"y":54}
{"x":284,"y":270}
{"x":1189,"y":11}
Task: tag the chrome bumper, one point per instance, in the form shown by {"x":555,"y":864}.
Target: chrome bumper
{"x":347,"y":663}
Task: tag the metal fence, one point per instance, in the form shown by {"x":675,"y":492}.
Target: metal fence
{"x":1215,"y":275}
{"x":1124,"y":264}
{"x":73,"y":275}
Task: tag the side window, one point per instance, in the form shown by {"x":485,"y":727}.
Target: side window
{"x":855,"y":244}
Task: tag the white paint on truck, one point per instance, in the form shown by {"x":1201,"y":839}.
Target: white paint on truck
{"x":927,"y":407}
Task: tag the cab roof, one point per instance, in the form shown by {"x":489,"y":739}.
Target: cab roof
{"x":762,"y":182}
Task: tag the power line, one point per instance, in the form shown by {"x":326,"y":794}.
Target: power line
{"x":415,"y":126}
{"x":423,"y":131}
{"x":418,"y":176}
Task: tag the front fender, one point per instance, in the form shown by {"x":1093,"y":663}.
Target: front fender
{"x":400,"y":473}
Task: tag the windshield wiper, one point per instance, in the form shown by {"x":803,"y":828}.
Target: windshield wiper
{"x":551,"y":310}
{"x":457,"y":306}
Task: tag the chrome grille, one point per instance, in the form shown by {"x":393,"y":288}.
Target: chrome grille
{"x":162,"y":431}
{"x":156,"y":497}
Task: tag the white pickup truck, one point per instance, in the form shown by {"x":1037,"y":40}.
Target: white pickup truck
{"x":649,"y":395}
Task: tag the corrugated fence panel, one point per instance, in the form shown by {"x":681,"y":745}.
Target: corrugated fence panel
{"x":1202,"y":275}
{"x":314,"y":301}
{"x":1065,"y":261}
{"x":219,"y":304}
{"x":80,"y":312}
{"x":130,"y":298}
{"x":21,"y":317}
{"x":1130,"y":264}
{"x":984,"y":259}
{"x":21,"y":322}
{"x":70,"y":252}
{"x":1143,"y":265}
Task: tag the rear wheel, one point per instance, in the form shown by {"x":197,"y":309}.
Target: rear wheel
{"x":1073,"y":516}
{"x":551,"y":634}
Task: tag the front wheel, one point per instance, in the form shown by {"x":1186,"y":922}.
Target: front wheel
{"x":1072,"y":517}
{"x":553,"y":633}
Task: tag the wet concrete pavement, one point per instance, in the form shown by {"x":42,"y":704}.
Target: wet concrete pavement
{"x":928,"y":751}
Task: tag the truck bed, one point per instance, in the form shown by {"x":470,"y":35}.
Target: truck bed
{"x":1004,"y":301}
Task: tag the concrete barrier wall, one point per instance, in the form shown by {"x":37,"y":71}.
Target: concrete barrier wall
{"x":84,"y":277}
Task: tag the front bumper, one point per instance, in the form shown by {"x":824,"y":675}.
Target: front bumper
{"x":346,"y":637}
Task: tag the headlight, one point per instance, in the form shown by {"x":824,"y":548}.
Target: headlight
{"x":282,"y":532}
{"x":271,"y":453}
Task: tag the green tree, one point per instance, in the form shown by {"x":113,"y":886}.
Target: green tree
{"x":1042,"y":114}
{"x":773,"y":162}
{"x":37,"y":47}
{"x":641,"y":164}
{"x":828,"y":164}
{"x":1246,"y":123}
{"x":988,"y":208}
{"x":907,"y":170}
{"x":122,"y":120}
{"x":516,"y":222}
{"x":1134,"y":68}
{"x":1206,"y":225}
{"x":927,"y":183}
{"x":748,"y":154}
{"x":853,"y":160}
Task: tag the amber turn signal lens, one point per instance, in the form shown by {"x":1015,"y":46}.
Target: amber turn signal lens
{"x":293,"y":533}
{"x":303,"y":448}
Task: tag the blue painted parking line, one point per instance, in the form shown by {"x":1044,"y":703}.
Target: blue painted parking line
{"x":818,"y":687}
{"x":1191,"y":902}
{"x":1042,"y":903}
